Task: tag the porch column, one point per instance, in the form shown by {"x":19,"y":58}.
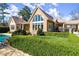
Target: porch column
{"x":70,"y":30}
{"x":78,"y":26}
{"x":22,"y":26}
{"x":63,"y":27}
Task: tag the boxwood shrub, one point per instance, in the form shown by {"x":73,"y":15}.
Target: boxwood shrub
{"x":19,"y":32}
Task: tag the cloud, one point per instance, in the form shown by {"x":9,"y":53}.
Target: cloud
{"x":55,"y":4}
{"x":53,"y":12}
{"x":40,"y":4}
{"x":29,"y":5}
{"x":33,"y":6}
{"x":13,"y":10}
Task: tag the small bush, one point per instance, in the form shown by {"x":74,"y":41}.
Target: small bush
{"x":40,"y":32}
{"x":4,"y":29}
{"x":19,"y":32}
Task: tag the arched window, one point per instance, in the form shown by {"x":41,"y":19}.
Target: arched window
{"x":37,"y":18}
{"x":37,"y":22}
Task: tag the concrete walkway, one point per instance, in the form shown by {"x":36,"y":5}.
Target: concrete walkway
{"x":76,"y":33}
{"x":10,"y":51}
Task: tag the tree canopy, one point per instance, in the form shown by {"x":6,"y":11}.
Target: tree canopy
{"x":3,"y":6}
{"x":25,"y":12}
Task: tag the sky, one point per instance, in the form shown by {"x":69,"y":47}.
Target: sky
{"x":62,"y":10}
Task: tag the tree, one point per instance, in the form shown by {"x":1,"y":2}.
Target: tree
{"x":25,"y":12}
{"x":3,"y":6}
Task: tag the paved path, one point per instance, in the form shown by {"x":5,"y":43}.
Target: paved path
{"x":10,"y":51}
{"x":76,"y":33}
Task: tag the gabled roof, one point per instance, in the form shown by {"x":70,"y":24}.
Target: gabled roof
{"x":19,"y":20}
{"x":72,"y":22}
{"x":15,"y":19}
{"x":48,"y":16}
{"x":59,"y":21}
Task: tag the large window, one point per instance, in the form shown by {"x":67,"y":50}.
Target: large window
{"x":37,"y":18}
{"x":12,"y":27}
{"x":37,"y":22}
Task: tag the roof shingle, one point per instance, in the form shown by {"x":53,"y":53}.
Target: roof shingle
{"x":19,"y":20}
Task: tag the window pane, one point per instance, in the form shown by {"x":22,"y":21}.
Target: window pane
{"x":33,"y":26}
{"x":34,"y":18}
{"x":38,"y":25}
{"x":41,"y":19}
{"x":38,"y":18}
{"x":12,"y":27}
{"x":42,"y":26}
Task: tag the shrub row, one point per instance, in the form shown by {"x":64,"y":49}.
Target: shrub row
{"x":46,"y":45}
{"x":20,"y":32}
{"x":4,"y":29}
{"x":58,"y":34}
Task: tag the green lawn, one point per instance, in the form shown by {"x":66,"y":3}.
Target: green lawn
{"x":47,"y":45}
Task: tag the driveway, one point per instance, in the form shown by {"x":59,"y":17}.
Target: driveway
{"x":10,"y":51}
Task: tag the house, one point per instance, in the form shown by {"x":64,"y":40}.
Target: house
{"x":16,"y":23}
{"x":39,"y":19}
{"x":71,"y":26}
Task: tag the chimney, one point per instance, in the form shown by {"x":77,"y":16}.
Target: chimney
{"x":20,"y":17}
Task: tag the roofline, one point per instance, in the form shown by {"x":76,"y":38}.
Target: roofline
{"x":35,"y":11}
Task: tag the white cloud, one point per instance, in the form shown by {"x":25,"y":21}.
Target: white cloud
{"x":33,"y":6}
{"x":53,"y":12}
{"x":13,"y":10}
{"x":40,"y":4}
{"x":29,"y":5}
{"x":55,"y":4}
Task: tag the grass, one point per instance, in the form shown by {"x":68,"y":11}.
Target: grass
{"x":47,"y":45}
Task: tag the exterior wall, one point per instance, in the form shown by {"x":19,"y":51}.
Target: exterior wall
{"x":45,"y":28}
{"x":12,"y":23}
{"x":39,"y":12}
{"x":50,"y":26}
{"x":26,"y":27}
{"x":71,"y":27}
{"x":31,"y":26}
{"x":66,"y":27}
{"x":78,"y":26}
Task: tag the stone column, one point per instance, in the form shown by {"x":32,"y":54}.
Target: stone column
{"x":63,"y":28}
{"x":70,"y":30}
{"x":22,"y":26}
{"x":78,"y":26}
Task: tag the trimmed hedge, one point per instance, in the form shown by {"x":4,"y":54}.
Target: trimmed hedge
{"x":58,"y":34}
{"x":4,"y":29}
{"x":19,"y":32}
{"x":47,"y":45}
